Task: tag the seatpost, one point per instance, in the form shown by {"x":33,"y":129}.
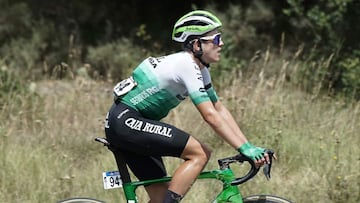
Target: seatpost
{"x":119,"y":158}
{"x":121,"y":164}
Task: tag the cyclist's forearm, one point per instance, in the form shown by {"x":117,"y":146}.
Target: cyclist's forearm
{"x":222,"y":128}
{"x":220,"y":125}
{"x":224,"y":112}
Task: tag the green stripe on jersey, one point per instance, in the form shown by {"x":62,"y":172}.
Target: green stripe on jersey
{"x":199,"y":97}
{"x":212,"y":94}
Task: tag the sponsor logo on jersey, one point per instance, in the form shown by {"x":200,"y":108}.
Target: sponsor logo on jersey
{"x":200,"y":76}
{"x":144,"y":94}
{"x":148,"y":127}
{"x":152,"y":62}
{"x":122,"y":113}
{"x":202,"y":89}
{"x":155,"y":61}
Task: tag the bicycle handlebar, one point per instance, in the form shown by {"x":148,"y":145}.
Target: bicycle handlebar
{"x":224,"y":163}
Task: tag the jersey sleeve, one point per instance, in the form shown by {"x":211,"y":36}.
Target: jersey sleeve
{"x":208,"y":86}
{"x":194,"y":83}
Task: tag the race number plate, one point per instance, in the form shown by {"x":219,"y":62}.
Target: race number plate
{"x":124,"y":87}
{"x":112,"y":179}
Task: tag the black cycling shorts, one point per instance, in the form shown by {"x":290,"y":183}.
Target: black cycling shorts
{"x":143,"y":141}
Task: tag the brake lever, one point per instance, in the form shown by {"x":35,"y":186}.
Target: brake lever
{"x":267,"y":167}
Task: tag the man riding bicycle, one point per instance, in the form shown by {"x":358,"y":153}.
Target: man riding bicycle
{"x":157,"y":85}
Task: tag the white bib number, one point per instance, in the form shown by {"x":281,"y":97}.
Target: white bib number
{"x":124,"y":87}
{"x":111,"y":179}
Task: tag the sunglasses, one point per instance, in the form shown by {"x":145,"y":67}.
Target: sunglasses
{"x":216,"y":38}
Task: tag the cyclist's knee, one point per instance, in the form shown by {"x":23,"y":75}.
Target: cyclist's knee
{"x":206,"y":152}
{"x":196,"y":151}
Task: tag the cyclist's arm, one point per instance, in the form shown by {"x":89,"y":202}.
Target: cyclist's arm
{"x":196,"y":81}
{"x":227,"y":116}
{"x":222,"y":123}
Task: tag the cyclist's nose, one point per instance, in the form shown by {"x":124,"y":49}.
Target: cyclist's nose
{"x":221,"y":43}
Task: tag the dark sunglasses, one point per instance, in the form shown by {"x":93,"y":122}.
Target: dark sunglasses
{"x":216,"y":38}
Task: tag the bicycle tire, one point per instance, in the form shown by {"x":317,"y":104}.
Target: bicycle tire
{"x":80,"y":200}
{"x":265,"y":199}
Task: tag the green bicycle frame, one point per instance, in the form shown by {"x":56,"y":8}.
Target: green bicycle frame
{"x":229,"y":193}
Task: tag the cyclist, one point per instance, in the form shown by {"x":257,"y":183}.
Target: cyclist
{"x":159,"y":84}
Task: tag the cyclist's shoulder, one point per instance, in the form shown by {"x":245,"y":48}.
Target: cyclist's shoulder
{"x":173,"y":59}
{"x":181,"y":58}
{"x":175,"y":65}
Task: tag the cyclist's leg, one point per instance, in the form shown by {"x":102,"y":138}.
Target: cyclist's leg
{"x":196,"y":155}
{"x":154,"y":169}
{"x":144,"y":139}
{"x":157,"y":192}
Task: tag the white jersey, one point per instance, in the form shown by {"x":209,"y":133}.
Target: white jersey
{"x":163,"y":82}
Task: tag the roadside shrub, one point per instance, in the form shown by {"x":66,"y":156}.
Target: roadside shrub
{"x":351,"y":73}
{"x":115,"y":60}
{"x":329,"y":26}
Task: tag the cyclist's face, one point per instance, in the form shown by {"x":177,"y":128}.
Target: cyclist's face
{"x":211,"y":46}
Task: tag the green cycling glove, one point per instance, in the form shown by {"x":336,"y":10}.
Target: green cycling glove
{"x":252,"y":152}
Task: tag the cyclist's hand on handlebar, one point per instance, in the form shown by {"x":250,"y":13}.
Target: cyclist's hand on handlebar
{"x":257,"y":154}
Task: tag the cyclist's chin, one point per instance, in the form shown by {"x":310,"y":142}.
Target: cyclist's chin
{"x":217,"y":56}
{"x":213,"y":59}
{"x":216,"y":59}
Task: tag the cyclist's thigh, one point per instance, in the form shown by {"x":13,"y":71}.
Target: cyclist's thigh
{"x":143,"y":141}
{"x":145,"y":167}
{"x":129,"y":131}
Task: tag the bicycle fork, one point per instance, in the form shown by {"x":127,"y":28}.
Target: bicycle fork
{"x":230,"y":193}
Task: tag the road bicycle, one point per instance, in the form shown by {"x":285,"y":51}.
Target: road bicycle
{"x":230,"y":191}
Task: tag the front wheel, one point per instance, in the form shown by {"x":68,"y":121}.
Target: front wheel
{"x":80,"y":200}
{"x":265,"y":199}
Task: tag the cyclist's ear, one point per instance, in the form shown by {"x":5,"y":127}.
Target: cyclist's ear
{"x":198,"y":44}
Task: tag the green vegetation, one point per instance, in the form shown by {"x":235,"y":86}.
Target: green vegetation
{"x":48,"y":152}
{"x":287,"y":74}
{"x":37,"y":38}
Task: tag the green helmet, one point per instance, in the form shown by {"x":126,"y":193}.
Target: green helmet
{"x":195,"y":23}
